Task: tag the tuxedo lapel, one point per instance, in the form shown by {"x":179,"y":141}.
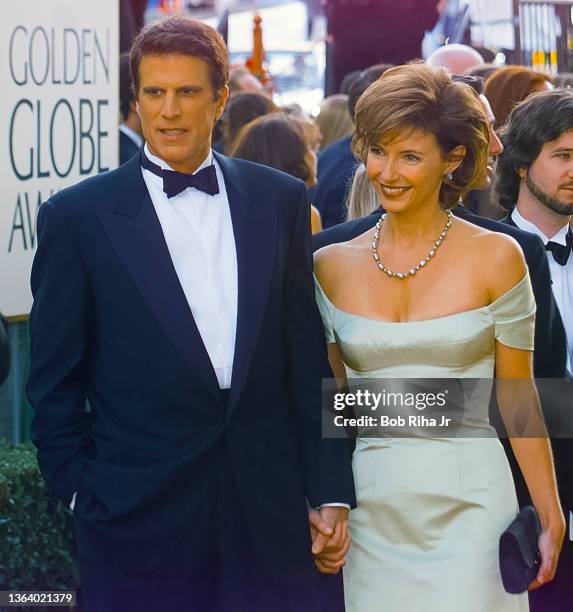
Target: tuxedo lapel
{"x":507,"y":219}
{"x":134,"y":230}
{"x":254,"y":226}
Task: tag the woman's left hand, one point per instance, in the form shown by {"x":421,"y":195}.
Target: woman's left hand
{"x":550,"y":542}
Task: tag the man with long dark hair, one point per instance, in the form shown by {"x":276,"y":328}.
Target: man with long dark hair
{"x":535,"y":185}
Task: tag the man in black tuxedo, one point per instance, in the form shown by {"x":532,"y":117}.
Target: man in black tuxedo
{"x":130,"y":134}
{"x":175,"y":295}
{"x":535,"y":185}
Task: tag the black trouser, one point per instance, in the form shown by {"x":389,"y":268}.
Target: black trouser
{"x":230,"y":577}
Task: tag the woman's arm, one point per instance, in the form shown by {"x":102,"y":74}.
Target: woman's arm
{"x":337,"y":366}
{"x":521,"y":412}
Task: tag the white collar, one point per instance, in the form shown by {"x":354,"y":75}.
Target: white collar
{"x":528,"y":226}
{"x":163,"y":164}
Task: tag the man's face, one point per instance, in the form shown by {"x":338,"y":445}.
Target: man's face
{"x":495,"y":148}
{"x":549,"y":179}
{"x":178,"y":108}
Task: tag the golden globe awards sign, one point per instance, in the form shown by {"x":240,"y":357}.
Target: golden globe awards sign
{"x":58,"y":118}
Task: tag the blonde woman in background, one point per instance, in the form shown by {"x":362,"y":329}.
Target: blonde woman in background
{"x":361,"y":199}
{"x":334,"y":120}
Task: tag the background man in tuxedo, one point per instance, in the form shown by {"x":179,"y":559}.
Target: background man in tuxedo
{"x":535,"y":185}
{"x":130,"y":134}
{"x":175,"y":295}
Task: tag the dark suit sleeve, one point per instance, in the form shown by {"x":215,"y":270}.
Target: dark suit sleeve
{"x":326,"y":462}
{"x":59,"y":327}
{"x":550,"y":357}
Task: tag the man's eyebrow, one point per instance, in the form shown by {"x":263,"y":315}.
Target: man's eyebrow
{"x":190,"y":86}
{"x":562,"y":150}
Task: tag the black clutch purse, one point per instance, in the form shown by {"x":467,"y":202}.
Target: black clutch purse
{"x":519,"y":556}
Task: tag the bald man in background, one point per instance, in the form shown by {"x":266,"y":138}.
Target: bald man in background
{"x":456,"y":58}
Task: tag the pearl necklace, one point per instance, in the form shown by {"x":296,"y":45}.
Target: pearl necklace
{"x":413,"y":271}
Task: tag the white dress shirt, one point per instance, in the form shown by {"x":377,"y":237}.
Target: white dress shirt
{"x":561,"y":278}
{"x":199,"y":234}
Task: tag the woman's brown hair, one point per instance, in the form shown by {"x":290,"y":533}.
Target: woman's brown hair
{"x":242,"y":108}
{"x":510,"y":85}
{"x":418,"y":97}
{"x":181,"y":35}
{"x":275,"y":140}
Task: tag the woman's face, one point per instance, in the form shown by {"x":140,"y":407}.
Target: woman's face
{"x":407,"y":170}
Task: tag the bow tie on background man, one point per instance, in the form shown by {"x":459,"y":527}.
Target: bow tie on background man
{"x":561,"y":252}
{"x":175,"y":182}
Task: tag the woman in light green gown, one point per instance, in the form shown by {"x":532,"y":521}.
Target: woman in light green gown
{"x":427,"y":295}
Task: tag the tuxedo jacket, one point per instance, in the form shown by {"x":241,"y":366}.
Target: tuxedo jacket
{"x":550,"y":357}
{"x":562,"y":446}
{"x":111,"y":325}
{"x":335,"y":170}
{"x":127,"y":148}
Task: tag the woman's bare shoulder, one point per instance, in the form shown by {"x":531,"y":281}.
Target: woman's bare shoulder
{"x":328,"y":261}
{"x":498,"y":256}
{"x":335,"y":261}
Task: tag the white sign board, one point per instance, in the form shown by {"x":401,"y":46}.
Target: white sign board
{"x":492,"y":23}
{"x":58,"y":118}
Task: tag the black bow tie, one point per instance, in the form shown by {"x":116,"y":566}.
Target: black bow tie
{"x":175,"y":182}
{"x":561,"y":252}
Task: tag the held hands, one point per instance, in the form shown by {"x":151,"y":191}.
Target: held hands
{"x":550,"y":542}
{"x":330,"y":539}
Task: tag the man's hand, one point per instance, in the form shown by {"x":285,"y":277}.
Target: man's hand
{"x":330,"y":539}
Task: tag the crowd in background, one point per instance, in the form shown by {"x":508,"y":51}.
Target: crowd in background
{"x":317,"y":149}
